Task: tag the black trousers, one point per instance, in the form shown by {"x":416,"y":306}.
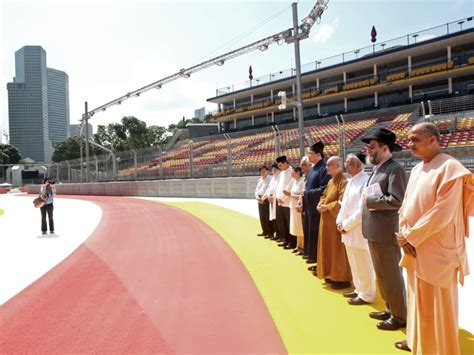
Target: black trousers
{"x":311,"y":232}
{"x":47,"y":209}
{"x":385,"y":258}
{"x":283,"y":222}
{"x":264,"y":213}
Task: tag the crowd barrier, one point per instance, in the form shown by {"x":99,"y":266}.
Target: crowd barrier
{"x":231,"y":187}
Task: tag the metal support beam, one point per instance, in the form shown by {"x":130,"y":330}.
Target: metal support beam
{"x":86,"y":117}
{"x":191,"y":170}
{"x":299,"y":102}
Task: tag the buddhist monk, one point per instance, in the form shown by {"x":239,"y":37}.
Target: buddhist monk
{"x":333,"y":265}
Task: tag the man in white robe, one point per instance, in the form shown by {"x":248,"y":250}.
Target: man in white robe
{"x":349,"y":223}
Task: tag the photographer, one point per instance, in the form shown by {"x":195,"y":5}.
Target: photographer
{"x":48,"y":191}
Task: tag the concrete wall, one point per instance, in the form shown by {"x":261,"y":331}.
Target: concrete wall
{"x":232,"y":187}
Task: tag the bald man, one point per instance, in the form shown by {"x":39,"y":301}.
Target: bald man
{"x":333,"y":265}
{"x":433,"y":226}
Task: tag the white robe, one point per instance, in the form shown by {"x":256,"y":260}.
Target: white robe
{"x":296,"y":188}
{"x":271,"y":193}
{"x":350,"y":217}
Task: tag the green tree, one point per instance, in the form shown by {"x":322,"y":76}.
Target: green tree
{"x":9,"y":154}
{"x":130,"y":133}
{"x":68,"y":150}
{"x":207,"y":118}
{"x":159,"y":135}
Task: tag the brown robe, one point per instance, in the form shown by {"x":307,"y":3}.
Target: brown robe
{"x":332,"y":258}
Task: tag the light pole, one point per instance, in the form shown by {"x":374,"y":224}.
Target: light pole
{"x":299,"y":103}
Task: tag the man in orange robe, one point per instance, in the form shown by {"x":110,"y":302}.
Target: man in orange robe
{"x":333,"y":265}
{"x":433,"y":224}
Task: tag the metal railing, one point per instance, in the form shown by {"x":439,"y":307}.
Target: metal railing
{"x":396,"y":43}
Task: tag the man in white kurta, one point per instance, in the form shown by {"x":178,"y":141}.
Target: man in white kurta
{"x":433,"y":225}
{"x":349,"y":222}
{"x":263,"y":206}
{"x":283,"y":203}
{"x":270,"y":196}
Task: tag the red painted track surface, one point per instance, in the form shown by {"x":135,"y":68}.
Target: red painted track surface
{"x":150,"y":279}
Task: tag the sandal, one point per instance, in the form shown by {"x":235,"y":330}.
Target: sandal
{"x":402,"y":345}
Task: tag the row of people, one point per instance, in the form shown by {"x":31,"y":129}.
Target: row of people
{"x":354,"y":229}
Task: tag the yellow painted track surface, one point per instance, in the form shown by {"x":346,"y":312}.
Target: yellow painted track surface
{"x":310,"y":317}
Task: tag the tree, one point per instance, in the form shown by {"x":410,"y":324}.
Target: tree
{"x":68,"y":150}
{"x":159,"y":135}
{"x":9,"y":154}
{"x":131,"y":133}
{"x":207,"y":118}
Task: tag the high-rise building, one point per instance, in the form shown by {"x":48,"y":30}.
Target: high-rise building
{"x":58,"y":105}
{"x":75,"y":129}
{"x":38,"y":105}
{"x":200,"y":113}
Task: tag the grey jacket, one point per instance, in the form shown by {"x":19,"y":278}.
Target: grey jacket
{"x":381,"y":224}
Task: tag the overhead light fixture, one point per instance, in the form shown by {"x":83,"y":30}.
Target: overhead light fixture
{"x":263,"y":47}
{"x":119,"y":102}
{"x":220,"y":63}
{"x":91,"y":113}
{"x":128,"y":94}
{"x":104,"y":109}
{"x":137,"y":94}
{"x":183,"y":73}
{"x":158,"y":86}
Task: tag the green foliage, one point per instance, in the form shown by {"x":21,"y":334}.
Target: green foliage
{"x":130,"y":133}
{"x":67,"y":150}
{"x":9,"y":154}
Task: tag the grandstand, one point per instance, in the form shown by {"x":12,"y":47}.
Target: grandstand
{"x":401,"y":83}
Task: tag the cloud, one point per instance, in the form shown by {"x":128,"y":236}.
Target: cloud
{"x":326,"y":31}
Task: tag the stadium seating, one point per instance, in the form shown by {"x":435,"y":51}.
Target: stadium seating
{"x":432,"y":68}
{"x":251,"y":151}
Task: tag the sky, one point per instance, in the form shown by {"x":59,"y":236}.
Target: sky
{"x":109,"y":48}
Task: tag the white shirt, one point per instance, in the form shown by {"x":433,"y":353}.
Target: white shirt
{"x":296,"y":188}
{"x":262,"y":186}
{"x":271,"y":192}
{"x":283,"y":179}
{"x":350,"y":214}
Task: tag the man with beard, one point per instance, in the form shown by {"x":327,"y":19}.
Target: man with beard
{"x":382,"y":199}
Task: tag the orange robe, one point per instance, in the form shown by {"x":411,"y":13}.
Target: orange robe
{"x":433,"y":218}
{"x":332,"y":258}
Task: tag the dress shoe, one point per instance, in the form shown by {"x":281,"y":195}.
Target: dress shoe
{"x":328,"y":281}
{"x":339,"y":285}
{"x":268,"y":236}
{"x":351,"y":294}
{"x":310,"y":261}
{"x":296,"y":250}
{"x":288,"y":246}
{"x":357,"y":301}
{"x":380,"y":315}
{"x":391,"y":324}
{"x":260,"y":234}
{"x":299,"y":252}
{"x":312,"y":268}
{"x":282,"y":245}
{"x":305,"y":257}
